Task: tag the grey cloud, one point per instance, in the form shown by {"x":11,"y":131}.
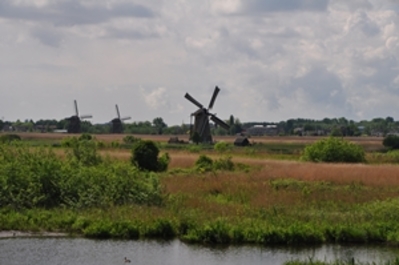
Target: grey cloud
{"x":320,"y":87}
{"x":285,"y":5}
{"x":353,"y":5}
{"x":362,"y":21}
{"x":47,"y":37}
{"x":131,"y":34}
{"x":70,"y":12}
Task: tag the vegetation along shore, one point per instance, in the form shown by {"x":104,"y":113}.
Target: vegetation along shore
{"x":267,"y":193}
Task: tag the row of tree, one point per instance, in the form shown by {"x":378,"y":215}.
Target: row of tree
{"x":335,"y":126}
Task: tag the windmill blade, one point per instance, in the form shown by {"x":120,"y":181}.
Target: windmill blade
{"x":76,"y":108}
{"x":215,"y":94}
{"x":190,"y":98}
{"x":125,"y":118}
{"x":117,"y":111}
{"x":86,"y":117}
{"x":220,"y":122}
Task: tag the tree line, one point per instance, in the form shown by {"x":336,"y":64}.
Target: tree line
{"x":300,"y":126}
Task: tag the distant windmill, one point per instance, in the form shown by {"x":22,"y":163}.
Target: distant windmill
{"x":74,"y":121}
{"x":117,"y":122}
{"x":202,"y":116}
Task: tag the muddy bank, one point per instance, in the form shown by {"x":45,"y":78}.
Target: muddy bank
{"x":10,"y":234}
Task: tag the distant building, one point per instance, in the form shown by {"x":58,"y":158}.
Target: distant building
{"x":260,"y":130}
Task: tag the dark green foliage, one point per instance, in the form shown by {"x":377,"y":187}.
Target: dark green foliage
{"x":334,"y":150}
{"x":145,"y":157}
{"x":36,"y":177}
{"x":224,"y":163}
{"x":85,"y":137}
{"x":204,"y":163}
{"x":391,"y":141}
{"x":7,"y":138}
{"x":161,"y":228}
{"x":130,"y":139}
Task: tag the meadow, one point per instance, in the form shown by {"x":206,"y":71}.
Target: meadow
{"x":267,"y":197}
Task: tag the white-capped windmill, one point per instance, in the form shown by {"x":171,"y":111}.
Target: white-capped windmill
{"x":117,"y":126}
{"x":202,"y":116}
{"x":75,"y":120}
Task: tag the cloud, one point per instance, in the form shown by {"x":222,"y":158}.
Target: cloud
{"x":48,"y":36}
{"x":156,"y":99}
{"x":284,"y":5}
{"x":70,"y":12}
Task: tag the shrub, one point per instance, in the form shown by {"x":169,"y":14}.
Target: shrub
{"x":222,"y":147}
{"x":36,"y":177}
{"x":130,"y":139}
{"x":85,"y":136}
{"x":145,"y":156}
{"x":334,"y":150}
{"x":224,"y":164}
{"x":204,"y":163}
{"x":391,"y":141}
{"x":7,"y":138}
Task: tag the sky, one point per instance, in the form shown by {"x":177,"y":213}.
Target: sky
{"x":273,"y":60}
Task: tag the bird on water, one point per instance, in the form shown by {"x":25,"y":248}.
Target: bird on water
{"x":127,"y":260}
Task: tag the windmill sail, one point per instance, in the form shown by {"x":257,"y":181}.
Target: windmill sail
{"x":215,"y":94}
{"x":220,"y":122}
{"x":190,"y":98}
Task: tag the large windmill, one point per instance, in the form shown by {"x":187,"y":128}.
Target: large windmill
{"x":202,"y":116}
{"x":74,"y":121}
{"x":117,"y":122}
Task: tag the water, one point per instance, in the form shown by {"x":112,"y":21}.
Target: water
{"x":79,"y":251}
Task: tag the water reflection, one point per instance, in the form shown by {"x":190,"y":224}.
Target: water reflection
{"x":65,"y":251}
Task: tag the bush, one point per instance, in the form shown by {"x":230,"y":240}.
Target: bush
{"x":224,"y":164}
{"x":391,"y":141}
{"x":8,"y":138}
{"x":36,"y":177}
{"x":222,"y":147}
{"x":130,"y":139}
{"x":145,"y":157}
{"x":85,"y":136}
{"x":204,"y":163}
{"x":334,"y":150}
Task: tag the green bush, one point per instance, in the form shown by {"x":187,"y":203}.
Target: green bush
{"x":36,"y":177}
{"x":223,"y":163}
{"x":130,"y":139}
{"x":222,"y":147}
{"x":334,"y":150}
{"x":145,"y":157}
{"x":391,"y":141}
{"x":85,"y":137}
{"x":204,"y":163}
{"x":7,"y":138}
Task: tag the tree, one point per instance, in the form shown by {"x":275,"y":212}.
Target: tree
{"x":159,"y":125}
{"x":145,"y":156}
{"x":391,"y":141}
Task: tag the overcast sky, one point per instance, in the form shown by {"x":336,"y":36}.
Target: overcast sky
{"x":272,"y":59}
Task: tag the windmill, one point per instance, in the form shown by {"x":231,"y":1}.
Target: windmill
{"x":74,"y":121}
{"x":202,"y":116}
{"x":117,"y":122}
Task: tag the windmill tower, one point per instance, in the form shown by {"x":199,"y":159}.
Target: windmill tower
{"x":75,"y":120}
{"x":202,"y":116}
{"x":117,"y":122}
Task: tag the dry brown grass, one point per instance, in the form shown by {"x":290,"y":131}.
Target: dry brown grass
{"x":336,"y":183}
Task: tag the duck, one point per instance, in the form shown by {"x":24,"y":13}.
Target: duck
{"x":127,"y":260}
